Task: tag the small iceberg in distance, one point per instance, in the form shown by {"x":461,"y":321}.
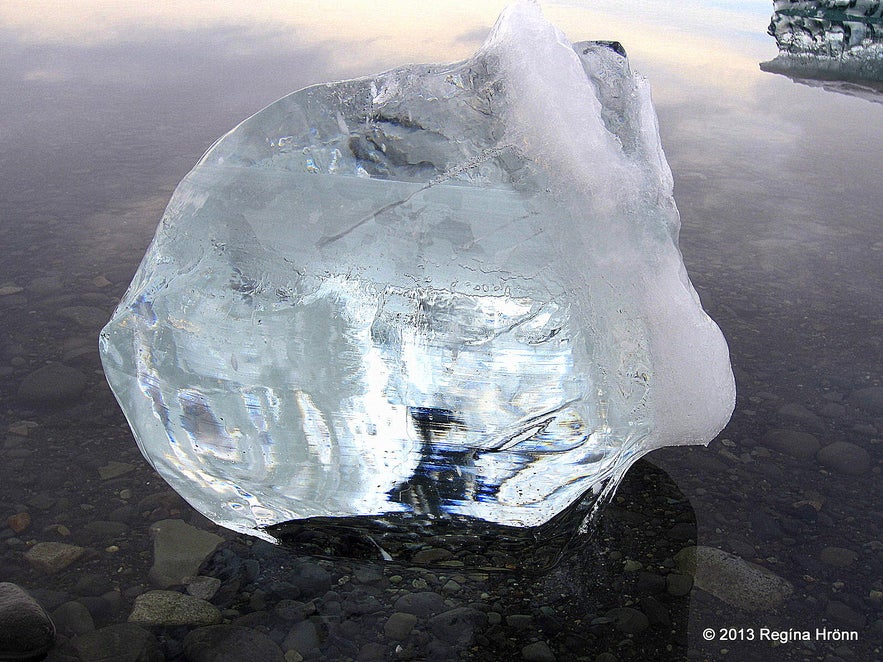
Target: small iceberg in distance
{"x":448,"y":292}
{"x":835,"y":44}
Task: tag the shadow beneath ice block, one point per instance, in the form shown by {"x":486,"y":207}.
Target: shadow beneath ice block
{"x":615,"y":589}
{"x":429,"y":540}
{"x":469,"y":543}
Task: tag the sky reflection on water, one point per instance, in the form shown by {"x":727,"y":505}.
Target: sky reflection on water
{"x":109,"y":103}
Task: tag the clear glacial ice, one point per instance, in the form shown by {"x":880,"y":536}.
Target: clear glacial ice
{"x":448,"y":292}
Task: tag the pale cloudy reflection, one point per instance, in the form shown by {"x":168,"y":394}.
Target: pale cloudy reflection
{"x":391,"y":26}
{"x":704,"y":41}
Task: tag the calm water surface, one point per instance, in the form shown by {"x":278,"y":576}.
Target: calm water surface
{"x":103,"y":110}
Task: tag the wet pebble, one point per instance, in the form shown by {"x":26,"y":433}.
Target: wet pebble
{"x":172,"y":608}
{"x":838,"y":557}
{"x":92,"y":583}
{"x":50,"y":557}
{"x":371,"y":651}
{"x":294,"y":610}
{"x":303,"y":638}
{"x":19,"y":522}
{"x":833,"y":410}
{"x":649,"y":582}
{"x":656,"y":612}
{"x":368,"y":575}
{"x":121,"y":642}
{"x":100,"y":532}
{"x":765,"y":525}
{"x":800,"y":445}
{"x":732,"y":579}
{"x":87,"y":317}
{"x":43,"y":285}
{"x":311,"y":579}
{"x":230,"y":643}
{"x":26,"y":630}
{"x":432,"y":555}
{"x":399,"y":625}
{"x":870,"y":399}
{"x":628,"y":619}
{"x":456,"y":626}
{"x":845,"y":458}
{"x":801,"y":414}
{"x":538,"y":651}
{"x":844,"y":616}
{"x":682,"y":531}
{"x":422,"y":603}
{"x":203,"y":588}
{"x":678,"y":584}
{"x":114,"y":469}
{"x":103,"y":607}
{"x":53,"y":384}
{"x":178,"y":551}
{"x":519,"y":621}
{"x":73,"y":618}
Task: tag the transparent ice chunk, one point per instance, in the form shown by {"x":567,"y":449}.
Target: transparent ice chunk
{"x":447,"y":291}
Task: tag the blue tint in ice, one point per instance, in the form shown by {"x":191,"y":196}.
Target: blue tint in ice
{"x":447,"y":290}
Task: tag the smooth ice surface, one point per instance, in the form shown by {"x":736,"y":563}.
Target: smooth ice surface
{"x":447,"y":290}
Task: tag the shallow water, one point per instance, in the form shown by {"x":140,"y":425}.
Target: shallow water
{"x":778,"y":188}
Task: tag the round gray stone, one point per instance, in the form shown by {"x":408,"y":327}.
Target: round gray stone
{"x":845,"y":458}
{"x":422,"y":604}
{"x":678,"y":584}
{"x":870,"y":399}
{"x":230,"y":643}
{"x":519,"y":621}
{"x":100,"y":532}
{"x":839,"y":557}
{"x":628,"y":620}
{"x":455,"y":626}
{"x":88,"y":317}
{"x":432,"y":555}
{"x":312,"y":580}
{"x":73,"y":618}
{"x":25,"y":628}
{"x":399,"y":625}
{"x":844,"y":615}
{"x":122,"y":642}
{"x":801,"y":445}
{"x":371,"y":652}
{"x":656,"y":612}
{"x":53,"y":384}
{"x":302,"y":637}
{"x":538,"y":651}
{"x":43,"y":285}
{"x":801,"y":414}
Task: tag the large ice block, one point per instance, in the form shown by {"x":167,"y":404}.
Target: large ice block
{"x":446,"y":291}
